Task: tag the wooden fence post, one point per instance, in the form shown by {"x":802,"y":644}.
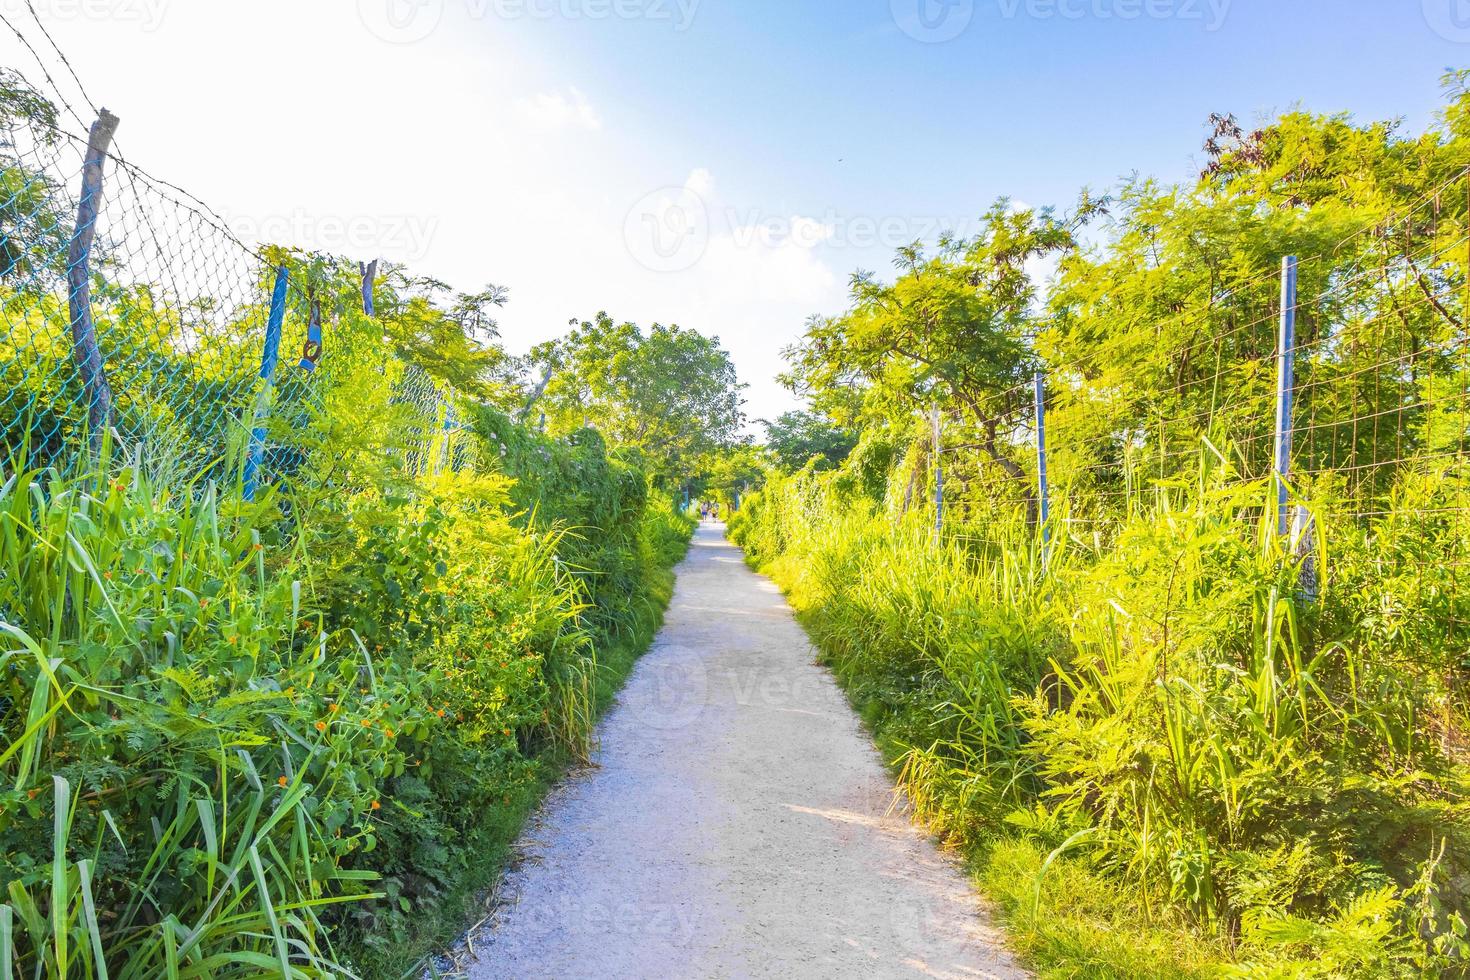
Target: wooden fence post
{"x":369,"y":272}
{"x":85,"y":350}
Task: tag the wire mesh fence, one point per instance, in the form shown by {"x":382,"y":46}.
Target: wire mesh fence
{"x":129,"y":308}
{"x":1377,"y":396}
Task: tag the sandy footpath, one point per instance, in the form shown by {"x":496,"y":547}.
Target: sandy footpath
{"x":737,"y":824}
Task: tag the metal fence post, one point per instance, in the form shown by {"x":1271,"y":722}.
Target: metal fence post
{"x":445,"y":457}
{"x":1043,"y":489}
{"x":269,"y":356}
{"x":85,"y":351}
{"x":938,"y":475}
{"x":1285,"y":384}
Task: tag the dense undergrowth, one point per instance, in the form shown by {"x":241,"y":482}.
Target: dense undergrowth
{"x":294,"y":735}
{"x":290,"y":732}
{"x":1161,"y":757}
{"x":1194,"y":734}
{"x":244,"y":745}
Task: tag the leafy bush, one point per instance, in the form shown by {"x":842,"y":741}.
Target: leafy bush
{"x":1170,"y":717}
{"x":222,"y":725}
{"x":291,"y":735}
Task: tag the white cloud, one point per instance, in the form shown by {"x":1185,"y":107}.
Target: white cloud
{"x":754,"y":287}
{"x":809,"y":232}
{"x":700,"y":181}
{"x":540,"y":220}
{"x":556,"y":111}
{"x":797,"y":231}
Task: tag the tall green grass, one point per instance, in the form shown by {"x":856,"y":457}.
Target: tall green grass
{"x":275,"y":738}
{"x":155,"y":748}
{"x":1165,"y":756}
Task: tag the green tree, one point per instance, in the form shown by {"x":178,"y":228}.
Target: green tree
{"x":730,"y":473}
{"x":1166,"y":333}
{"x":797,"y":437}
{"x":951,"y":331}
{"x":671,"y":393}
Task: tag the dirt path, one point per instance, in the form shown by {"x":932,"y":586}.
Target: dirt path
{"x":737,"y":823}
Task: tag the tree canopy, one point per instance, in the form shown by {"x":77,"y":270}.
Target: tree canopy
{"x":1156,"y":324}
{"x":796,"y":438}
{"x":670,"y":392}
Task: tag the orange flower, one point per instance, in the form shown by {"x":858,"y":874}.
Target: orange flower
{"x":282,"y":780}
{"x":388,"y":732}
{"x":441,"y":712}
{"x":321,"y":726}
{"x":333,"y":707}
{"x":366,"y":723}
{"x":377,"y":805}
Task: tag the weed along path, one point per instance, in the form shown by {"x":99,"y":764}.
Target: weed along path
{"x":738,"y":823}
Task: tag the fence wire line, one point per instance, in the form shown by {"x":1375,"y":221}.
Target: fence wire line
{"x":1381,"y":394}
{"x":179,"y":306}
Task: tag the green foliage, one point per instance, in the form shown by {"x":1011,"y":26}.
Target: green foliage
{"x":161,"y":687}
{"x":672,"y":393}
{"x":1169,"y":718}
{"x":797,"y":437}
{"x":727,"y":475}
{"x":291,"y":737}
{"x":237,"y":723}
{"x":1174,"y":743}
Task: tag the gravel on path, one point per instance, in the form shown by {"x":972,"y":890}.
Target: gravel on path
{"x":737,"y":822}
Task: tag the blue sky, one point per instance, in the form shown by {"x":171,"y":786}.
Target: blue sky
{"x":1028,"y":107}
{"x":769,"y":148}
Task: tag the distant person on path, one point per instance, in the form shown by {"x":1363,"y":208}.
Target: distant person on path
{"x":714,"y":511}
